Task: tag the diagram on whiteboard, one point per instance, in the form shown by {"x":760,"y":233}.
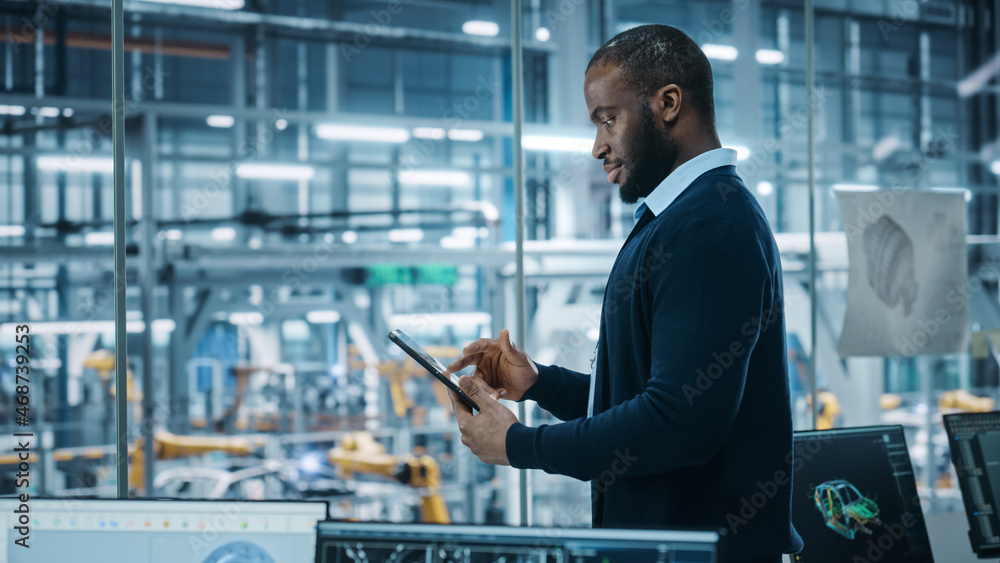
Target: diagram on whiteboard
{"x":907,"y":289}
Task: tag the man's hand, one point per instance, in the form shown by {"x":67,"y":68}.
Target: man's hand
{"x":485,"y":433}
{"x":500,"y":364}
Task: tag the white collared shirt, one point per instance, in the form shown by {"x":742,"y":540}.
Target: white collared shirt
{"x":660,"y":199}
{"x":678,"y":180}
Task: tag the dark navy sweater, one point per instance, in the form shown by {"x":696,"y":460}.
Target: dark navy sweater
{"x":692,"y":424}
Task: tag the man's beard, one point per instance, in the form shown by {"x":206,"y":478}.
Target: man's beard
{"x":653,"y":154}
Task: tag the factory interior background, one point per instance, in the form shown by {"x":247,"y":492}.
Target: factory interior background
{"x":304,"y":176}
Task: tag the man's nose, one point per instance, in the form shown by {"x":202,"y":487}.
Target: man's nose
{"x":600,"y":149}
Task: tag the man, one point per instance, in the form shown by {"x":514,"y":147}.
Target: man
{"x":685,"y":420}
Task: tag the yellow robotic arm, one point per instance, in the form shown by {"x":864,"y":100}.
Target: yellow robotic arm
{"x":171,"y":446}
{"x":961,"y":399}
{"x":103,"y":362}
{"x":360,"y":453}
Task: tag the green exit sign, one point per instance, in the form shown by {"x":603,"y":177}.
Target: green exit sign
{"x":427,"y":274}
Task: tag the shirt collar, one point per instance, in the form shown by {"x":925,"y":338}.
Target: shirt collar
{"x":682,"y":176}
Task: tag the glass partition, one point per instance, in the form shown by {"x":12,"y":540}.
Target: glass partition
{"x":900,"y":120}
{"x":56,"y":302}
{"x":304,"y":176}
{"x":314,"y":176}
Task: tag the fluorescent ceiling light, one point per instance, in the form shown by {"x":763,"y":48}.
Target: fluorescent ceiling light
{"x":76,"y":164}
{"x":471,"y":135}
{"x":406,"y":235}
{"x":48,"y":112}
{"x":173,"y":234}
{"x":251,"y":318}
{"x":323,"y":317}
{"x":217,"y":4}
{"x":349,"y":237}
{"x":435,"y":133}
{"x":542,"y":34}
{"x":435,"y":178}
{"x":742,"y":153}
{"x":276,"y":171}
{"x":88,"y":327}
{"x":481,"y":27}
{"x":855,"y":187}
{"x":11,"y":110}
{"x":223,"y":233}
{"x":103,"y":238}
{"x":720,"y":52}
{"x":281,"y":124}
{"x":11,"y":230}
{"x":295,"y":330}
{"x":221,"y":121}
{"x":68,"y":112}
{"x":424,"y":319}
{"x":765,"y":188}
{"x":159,"y":325}
{"x":770,"y":57}
{"x":995,"y":167}
{"x":453,"y":242}
{"x":340,"y":132}
{"x":556,"y":143}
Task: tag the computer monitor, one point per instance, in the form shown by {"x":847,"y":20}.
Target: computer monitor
{"x":975,"y":451}
{"x":161,"y":531}
{"x":354,"y":542}
{"x":854,"y":497}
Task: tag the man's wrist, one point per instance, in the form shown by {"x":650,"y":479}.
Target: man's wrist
{"x":543,"y":387}
{"x":520,"y":446}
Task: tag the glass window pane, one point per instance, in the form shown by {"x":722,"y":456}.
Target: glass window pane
{"x":310,"y":188}
{"x":56,"y":302}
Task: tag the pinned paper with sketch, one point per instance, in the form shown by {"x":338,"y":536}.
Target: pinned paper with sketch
{"x":907,"y":290}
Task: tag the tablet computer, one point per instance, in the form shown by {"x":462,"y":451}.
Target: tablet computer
{"x":431,"y":364}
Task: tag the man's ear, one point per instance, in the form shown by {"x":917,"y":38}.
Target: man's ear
{"x":666,"y":103}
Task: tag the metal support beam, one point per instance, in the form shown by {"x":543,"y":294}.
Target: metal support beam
{"x":121,"y":363}
{"x":811,"y":159}
{"x":148,"y":280}
{"x":517,"y":56}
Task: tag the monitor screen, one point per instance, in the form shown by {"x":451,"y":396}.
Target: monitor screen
{"x":353,"y":542}
{"x":160,"y":531}
{"x":854,"y":497}
{"x":975,"y":451}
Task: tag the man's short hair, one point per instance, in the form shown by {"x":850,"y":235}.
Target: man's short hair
{"x":652,"y":56}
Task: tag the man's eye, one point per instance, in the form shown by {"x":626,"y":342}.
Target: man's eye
{"x":607,"y":123}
